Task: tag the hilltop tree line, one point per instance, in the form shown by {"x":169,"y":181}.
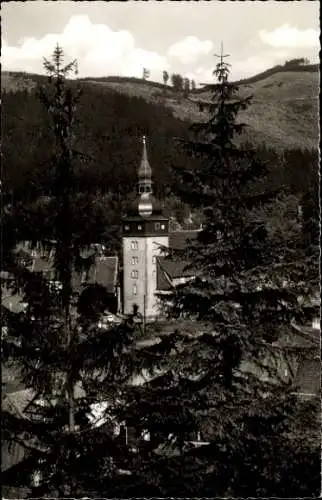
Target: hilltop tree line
{"x":178,"y":82}
{"x":184,"y":84}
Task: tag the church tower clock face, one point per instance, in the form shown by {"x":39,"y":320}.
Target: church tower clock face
{"x":144,"y":233}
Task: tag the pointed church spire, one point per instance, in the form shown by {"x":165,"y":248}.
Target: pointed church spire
{"x":145,"y":172}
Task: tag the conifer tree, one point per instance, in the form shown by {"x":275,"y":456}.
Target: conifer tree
{"x":223,"y":385}
{"x":165,"y":76}
{"x":64,"y":358}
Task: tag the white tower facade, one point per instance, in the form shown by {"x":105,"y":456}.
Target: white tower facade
{"x":144,"y":232}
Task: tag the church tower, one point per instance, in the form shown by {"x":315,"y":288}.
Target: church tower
{"x":144,"y":231}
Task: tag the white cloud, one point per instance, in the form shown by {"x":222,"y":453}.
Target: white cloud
{"x":290,"y":37}
{"x":190,"y":49}
{"x":99,"y":51}
{"x":256,"y":64}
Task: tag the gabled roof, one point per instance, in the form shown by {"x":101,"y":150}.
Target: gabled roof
{"x":168,"y":270}
{"x":163,"y":280}
{"x":174,"y":268}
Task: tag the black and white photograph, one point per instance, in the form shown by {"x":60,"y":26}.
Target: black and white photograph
{"x":160,"y":249}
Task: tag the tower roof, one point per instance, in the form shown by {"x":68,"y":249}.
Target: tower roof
{"x":144,"y":171}
{"x":132,"y":209}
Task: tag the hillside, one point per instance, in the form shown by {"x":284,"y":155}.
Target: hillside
{"x":284,"y":113}
{"x":108,"y":131}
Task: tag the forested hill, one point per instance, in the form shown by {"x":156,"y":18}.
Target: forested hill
{"x":284,"y":113}
{"x":114,"y":113}
{"x":108,"y":131}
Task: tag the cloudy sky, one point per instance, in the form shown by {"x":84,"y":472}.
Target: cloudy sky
{"x":121,"y":38}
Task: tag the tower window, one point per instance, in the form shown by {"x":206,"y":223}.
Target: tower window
{"x":135,"y":274}
{"x":139,"y":227}
{"x":157,"y":225}
{"x":163,"y":227}
{"x":134,"y":245}
{"x":135,"y":260}
{"x":144,"y":189}
{"x":134,"y":290}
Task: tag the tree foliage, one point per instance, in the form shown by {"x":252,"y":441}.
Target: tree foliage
{"x":299,"y":61}
{"x":248,"y":277}
{"x":165,"y":76}
{"x":61,"y":354}
{"x":177,"y":82}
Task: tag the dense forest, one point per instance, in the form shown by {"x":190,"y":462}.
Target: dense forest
{"x":108,"y":130}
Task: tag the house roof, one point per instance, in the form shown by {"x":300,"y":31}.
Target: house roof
{"x":174,"y":268}
{"x":300,"y":337}
{"x":104,"y":271}
{"x":164,"y":280}
{"x":168,"y":270}
{"x":178,"y":240}
{"x":18,"y":400}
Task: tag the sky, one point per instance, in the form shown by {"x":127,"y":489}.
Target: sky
{"x":122,"y":38}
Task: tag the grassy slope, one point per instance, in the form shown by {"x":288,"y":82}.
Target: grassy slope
{"x":284,"y":112}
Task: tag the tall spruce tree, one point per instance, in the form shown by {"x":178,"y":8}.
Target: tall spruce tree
{"x":67,"y":362}
{"x":224,"y":383}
